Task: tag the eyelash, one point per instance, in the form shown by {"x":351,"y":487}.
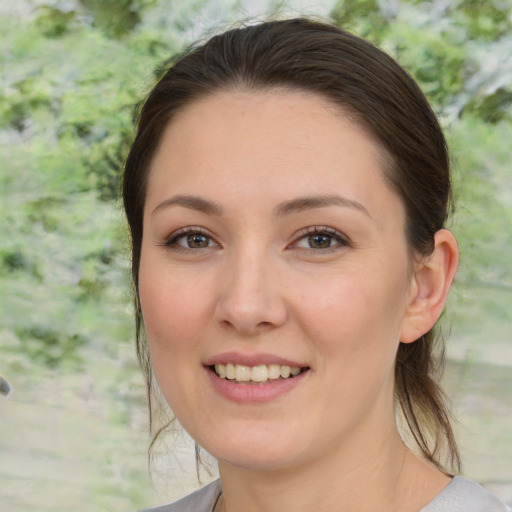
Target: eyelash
{"x":342,"y":241}
{"x":172,"y":240}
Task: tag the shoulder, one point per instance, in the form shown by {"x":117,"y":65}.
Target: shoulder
{"x":202,"y":500}
{"x":463,"y":495}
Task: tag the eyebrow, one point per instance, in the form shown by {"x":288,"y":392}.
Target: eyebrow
{"x":288,"y":207}
{"x":191,"y":202}
{"x":311,"y":202}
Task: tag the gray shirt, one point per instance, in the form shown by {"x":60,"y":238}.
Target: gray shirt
{"x":460,"y":495}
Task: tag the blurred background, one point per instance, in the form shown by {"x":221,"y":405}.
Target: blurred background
{"x":73,"y":431}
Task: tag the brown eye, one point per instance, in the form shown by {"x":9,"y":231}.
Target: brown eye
{"x":190,"y":239}
{"x":197,"y":241}
{"x":320,"y":241}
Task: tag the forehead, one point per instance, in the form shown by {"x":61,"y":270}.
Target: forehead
{"x":266,"y":142}
{"x":302,"y":112}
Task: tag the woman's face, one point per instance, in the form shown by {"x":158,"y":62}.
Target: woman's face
{"x":273,"y":244}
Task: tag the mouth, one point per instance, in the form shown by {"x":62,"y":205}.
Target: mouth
{"x":259,"y":374}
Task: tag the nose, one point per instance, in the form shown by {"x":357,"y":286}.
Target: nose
{"x":251,"y":299}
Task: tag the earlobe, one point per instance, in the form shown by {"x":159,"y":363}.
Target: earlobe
{"x":429,"y":287}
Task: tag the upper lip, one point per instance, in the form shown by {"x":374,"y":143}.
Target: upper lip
{"x":252,"y":360}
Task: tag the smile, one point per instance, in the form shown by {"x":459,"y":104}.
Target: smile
{"x":259,"y":374}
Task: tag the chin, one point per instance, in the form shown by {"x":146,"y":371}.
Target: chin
{"x":257,"y":462}
{"x":255,"y":453}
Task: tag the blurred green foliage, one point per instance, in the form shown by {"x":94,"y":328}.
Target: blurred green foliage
{"x":72,"y":76}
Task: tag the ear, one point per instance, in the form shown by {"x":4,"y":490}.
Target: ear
{"x":429,"y":287}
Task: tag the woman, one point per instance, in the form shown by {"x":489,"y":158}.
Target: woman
{"x":286,"y":194}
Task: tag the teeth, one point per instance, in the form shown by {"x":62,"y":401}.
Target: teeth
{"x":221,"y":370}
{"x":230,"y":371}
{"x":274,"y":371}
{"x":242,"y":373}
{"x":260,"y":373}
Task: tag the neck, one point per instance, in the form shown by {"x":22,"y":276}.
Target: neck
{"x":382,"y":476}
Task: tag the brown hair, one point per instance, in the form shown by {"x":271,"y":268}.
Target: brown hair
{"x":311,"y":56}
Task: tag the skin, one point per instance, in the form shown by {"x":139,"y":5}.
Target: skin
{"x":259,"y":287}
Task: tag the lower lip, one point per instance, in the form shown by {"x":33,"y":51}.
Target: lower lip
{"x":253,"y":393}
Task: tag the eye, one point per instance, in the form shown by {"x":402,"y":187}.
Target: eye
{"x":194,"y":241}
{"x":321,"y":238}
{"x":190,"y":238}
{"x":318,"y":241}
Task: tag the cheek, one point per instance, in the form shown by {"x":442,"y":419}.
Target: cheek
{"x":175,"y":310}
{"x":173,"y":314}
{"x":356,"y":315}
